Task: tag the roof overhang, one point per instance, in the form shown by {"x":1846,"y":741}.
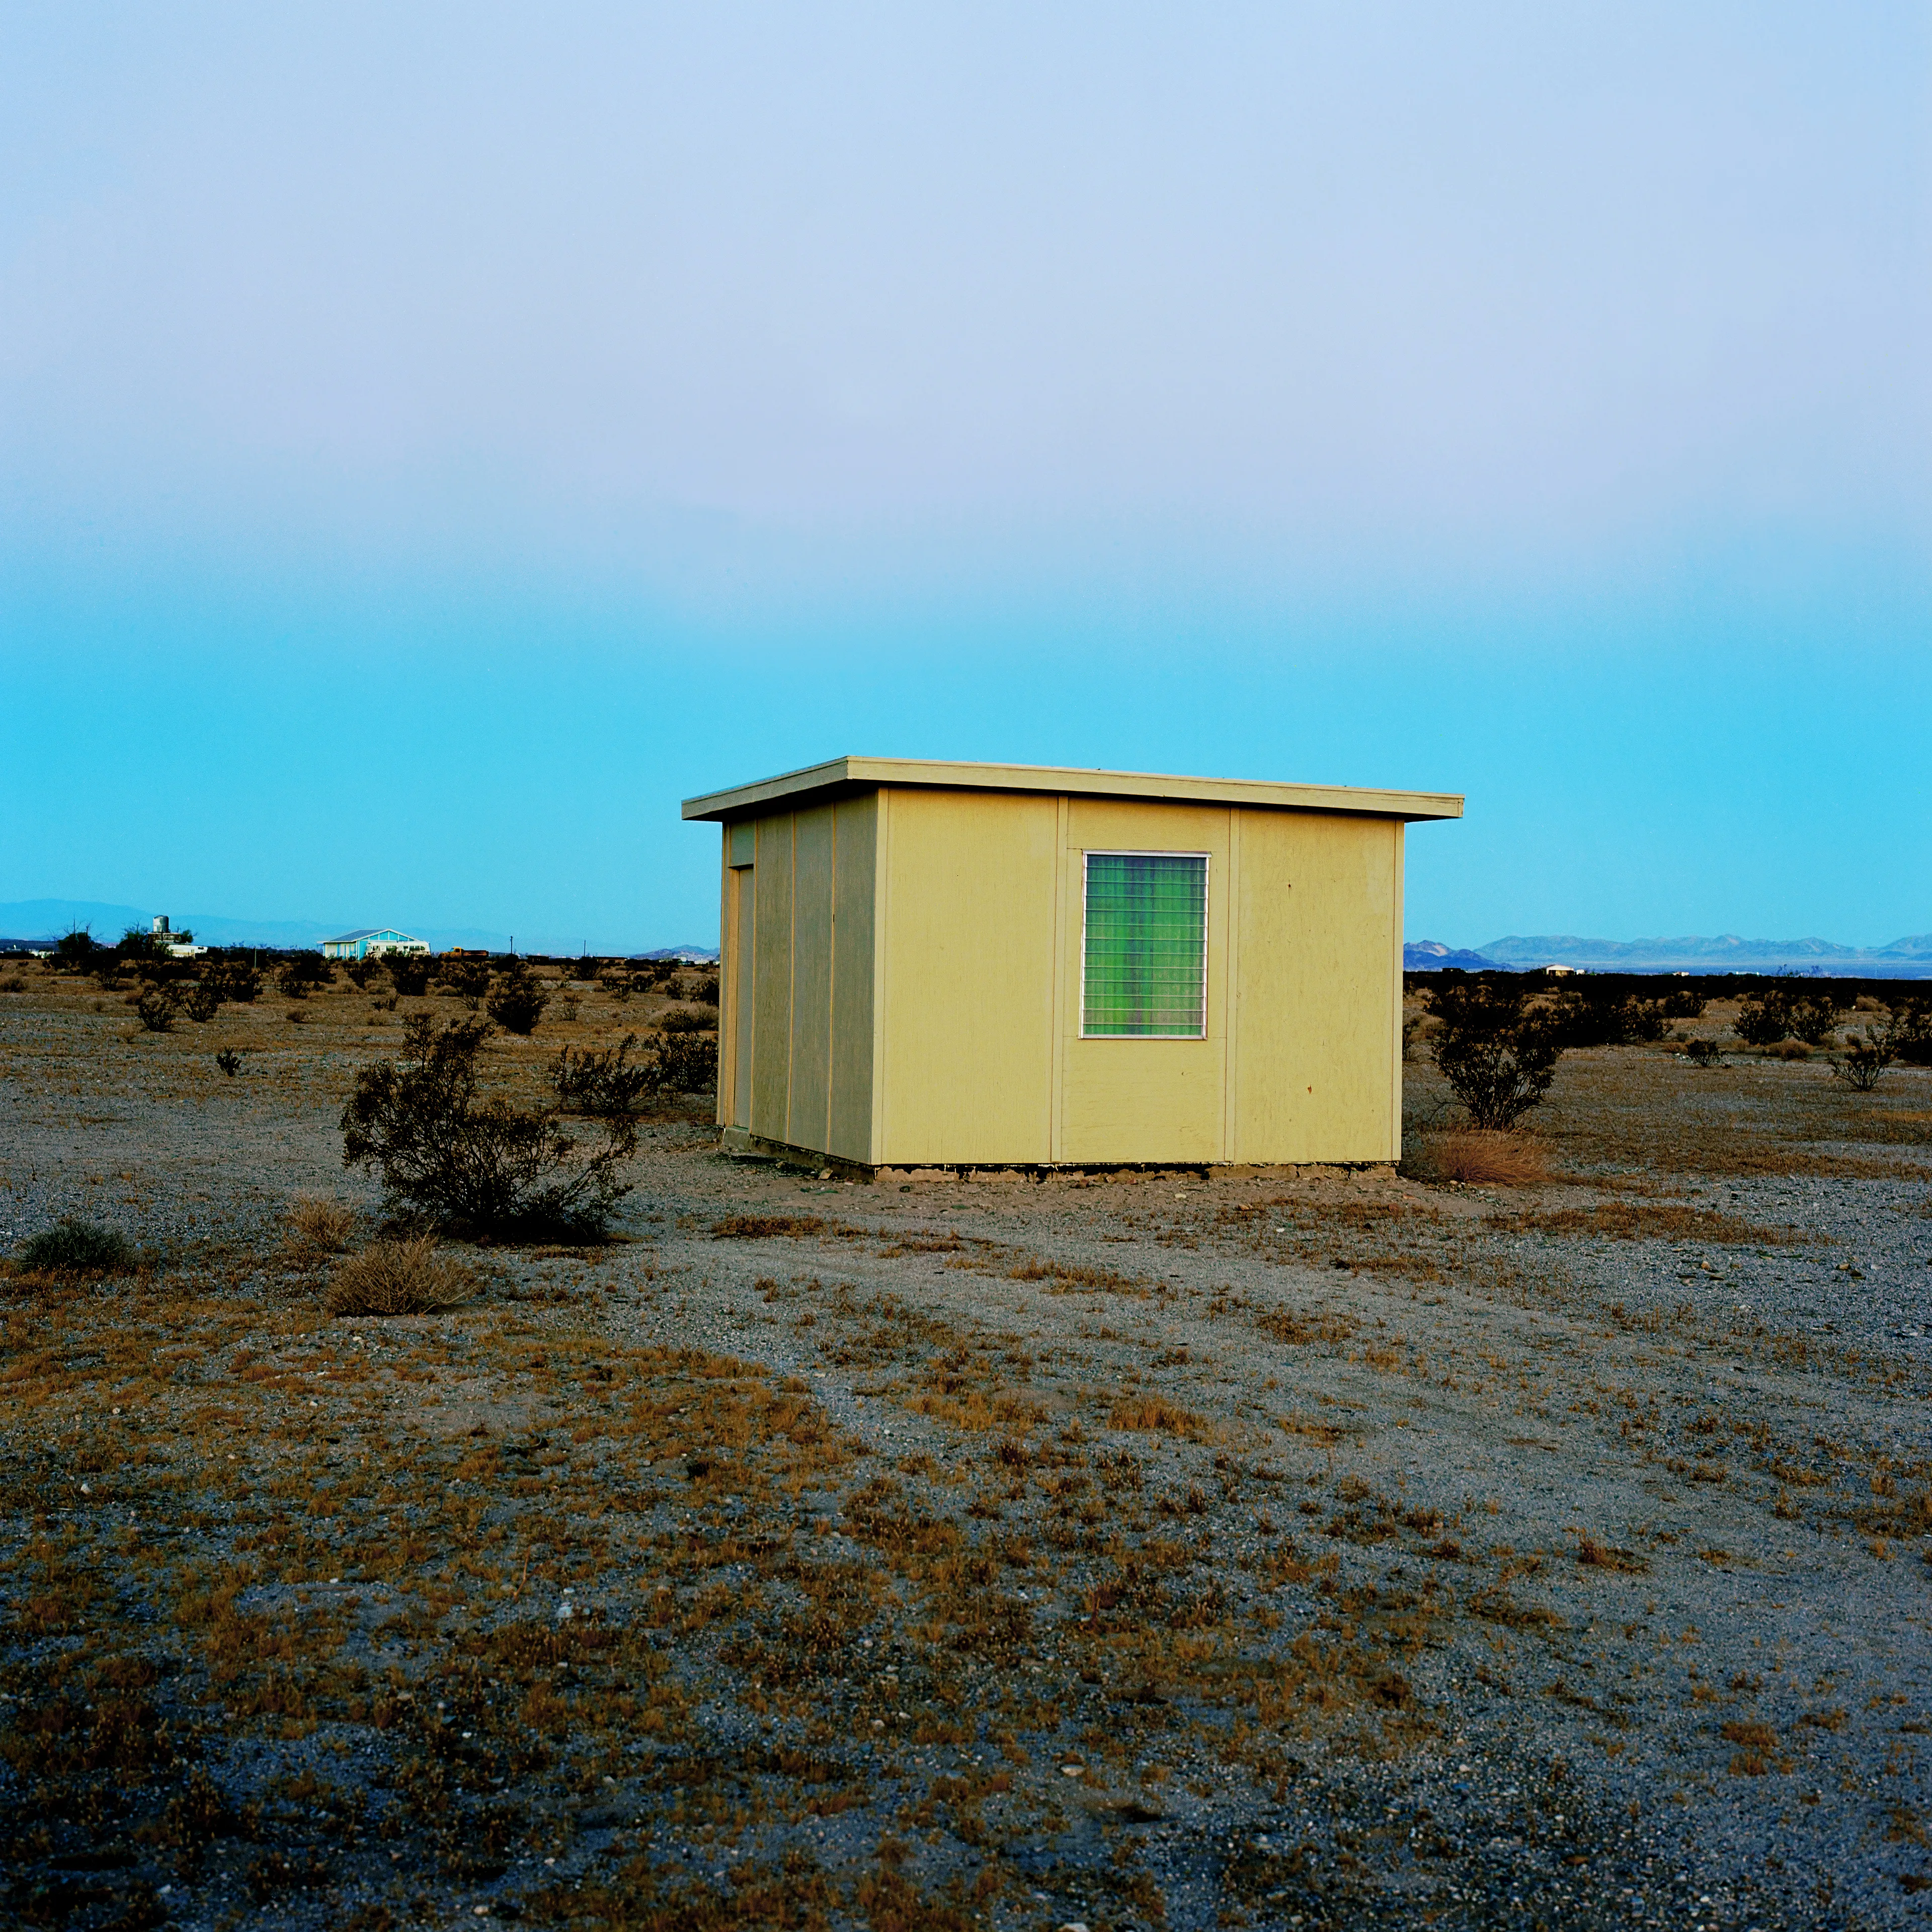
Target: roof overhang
{"x":847,"y":778}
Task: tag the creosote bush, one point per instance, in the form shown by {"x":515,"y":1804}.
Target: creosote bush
{"x":605,"y":1085}
{"x":1863,"y":1061}
{"x":156,"y":1010}
{"x":516,"y":1000}
{"x":1704,"y":1053}
{"x":397,"y":1278}
{"x":409,"y":974}
{"x":463,"y":1160}
{"x":73,"y":1247}
{"x":1497,"y":1053}
{"x":230,"y":1061}
{"x":689,"y":1019}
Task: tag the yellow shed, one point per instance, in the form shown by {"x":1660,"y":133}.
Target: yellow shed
{"x":940,"y":964}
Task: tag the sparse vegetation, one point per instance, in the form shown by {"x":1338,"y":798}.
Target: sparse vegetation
{"x":409,"y":974}
{"x":517,"y":999}
{"x":1486,"y":1157}
{"x":1704,"y":1053}
{"x":228,"y":1060}
{"x":1863,"y":1061}
{"x":318,"y":1225}
{"x":156,"y":1010}
{"x":74,"y":1246}
{"x":443,"y":1150}
{"x":406,"y":1277}
{"x":1497,"y":1051}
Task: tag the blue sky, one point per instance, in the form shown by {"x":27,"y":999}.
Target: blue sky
{"x":433,"y":440}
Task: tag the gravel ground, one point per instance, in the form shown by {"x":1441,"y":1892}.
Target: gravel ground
{"x":1267,"y":1547}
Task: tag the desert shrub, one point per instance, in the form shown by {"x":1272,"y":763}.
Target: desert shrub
{"x":1763,"y":1018}
{"x":518,"y":1000}
{"x":156,"y":1010}
{"x":1912,"y":1030}
{"x":605,"y":1085}
{"x":467,"y":980}
{"x":13,"y":983}
{"x":201,"y":1001}
{"x":444,"y":1152}
{"x":1603,"y":1015}
{"x":361,"y":972}
{"x":702,"y":990}
{"x":230,"y":1061}
{"x":1864,"y":1061}
{"x":689,"y":1019}
{"x":1497,"y":1052}
{"x":302,"y":973}
{"x":1684,"y":1003}
{"x":235,"y":980}
{"x":687,"y":1063}
{"x":73,"y":1247}
{"x":1486,"y":1157}
{"x":409,"y":974}
{"x":319,"y":1226}
{"x":616,"y":984}
{"x":1814,"y":1016}
{"x":1789,"y":1049}
{"x":1704,"y":1053}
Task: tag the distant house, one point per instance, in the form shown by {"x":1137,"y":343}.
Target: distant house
{"x":176,"y":945}
{"x":371,"y":943}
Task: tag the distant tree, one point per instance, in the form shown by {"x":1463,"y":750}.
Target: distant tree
{"x":74,"y":951}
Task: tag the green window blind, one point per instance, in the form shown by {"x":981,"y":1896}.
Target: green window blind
{"x":1146,"y":947}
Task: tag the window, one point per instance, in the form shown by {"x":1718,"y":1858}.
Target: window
{"x":1145,"y":951}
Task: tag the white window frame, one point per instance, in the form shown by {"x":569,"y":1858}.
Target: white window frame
{"x":1207,"y":900}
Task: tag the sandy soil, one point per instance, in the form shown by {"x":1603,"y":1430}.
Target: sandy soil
{"x":1263,"y":1548}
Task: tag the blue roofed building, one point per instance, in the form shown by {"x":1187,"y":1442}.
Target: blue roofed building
{"x":371,"y":942}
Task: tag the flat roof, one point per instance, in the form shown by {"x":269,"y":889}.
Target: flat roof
{"x":846,"y":778}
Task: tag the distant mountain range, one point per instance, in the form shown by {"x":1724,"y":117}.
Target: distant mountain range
{"x":46,"y":920}
{"x":1904,"y":959}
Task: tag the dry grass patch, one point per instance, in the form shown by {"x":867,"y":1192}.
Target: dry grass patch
{"x":765,"y":1227}
{"x":397,"y":1278}
{"x":1156,"y":1414}
{"x":318,"y":1225}
{"x":1485,"y":1157}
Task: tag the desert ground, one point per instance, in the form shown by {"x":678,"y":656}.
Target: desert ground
{"x":1308,"y":1548}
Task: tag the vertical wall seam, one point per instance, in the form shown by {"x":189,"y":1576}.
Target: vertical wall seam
{"x":832,"y":979}
{"x":1395,"y":1000}
{"x":791,"y":978}
{"x":881,"y":903}
{"x":1056,"y":1122}
{"x":1230,"y":975}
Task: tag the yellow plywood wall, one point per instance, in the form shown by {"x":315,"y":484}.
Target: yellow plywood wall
{"x":796,"y":1043}
{"x":913,"y":991}
{"x":966,"y":1012}
{"x":1315,"y":1067}
{"x":1151,"y":1100}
